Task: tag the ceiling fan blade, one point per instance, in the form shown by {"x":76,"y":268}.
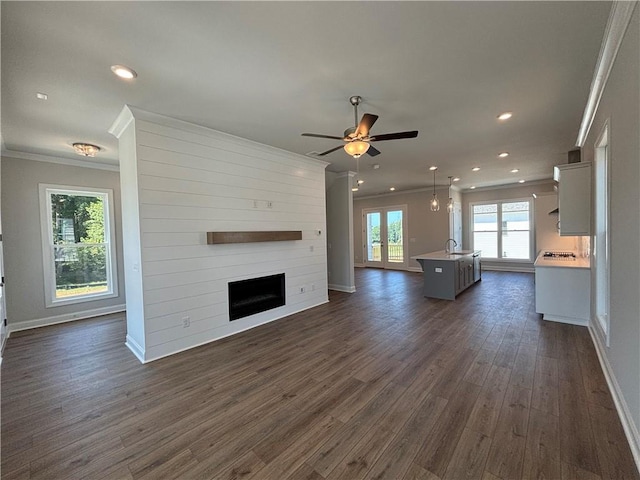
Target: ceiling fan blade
{"x":373,"y":151}
{"x":365,"y":124}
{"x":330,"y":151}
{"x":394,"y":136}
{"x":317,"y":135}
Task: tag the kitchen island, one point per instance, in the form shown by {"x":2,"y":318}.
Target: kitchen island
{"x":446,"y":274}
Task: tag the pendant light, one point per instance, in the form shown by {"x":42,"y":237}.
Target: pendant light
{"x":450,"y":202}
{"x":435,"y":203}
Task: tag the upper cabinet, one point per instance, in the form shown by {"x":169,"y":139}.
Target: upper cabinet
{"x":574,"y":198}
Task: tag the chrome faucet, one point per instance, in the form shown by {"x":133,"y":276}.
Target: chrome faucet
{"x":446,"y":245}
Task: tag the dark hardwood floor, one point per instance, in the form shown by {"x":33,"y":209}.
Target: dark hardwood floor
{"x":379,"y":384}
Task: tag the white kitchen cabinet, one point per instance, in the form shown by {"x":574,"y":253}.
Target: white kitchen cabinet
{"x":563,"y":290}
{"x":574,"y":198}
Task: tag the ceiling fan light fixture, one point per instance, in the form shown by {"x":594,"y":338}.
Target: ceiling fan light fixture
{"x":86,"y":149}
{"x":356,"y":148}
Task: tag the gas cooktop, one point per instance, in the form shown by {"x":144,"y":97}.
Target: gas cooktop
{"x":559,"y":255}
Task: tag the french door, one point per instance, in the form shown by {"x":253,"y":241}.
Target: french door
{"x":384,"y":231}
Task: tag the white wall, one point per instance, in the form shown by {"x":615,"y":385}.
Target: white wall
{"x":191,"y":180}
{"x":427,"y":230}
{"x":620,"y":105}
{"x":340,"y":233}
{"x":22,"y":241}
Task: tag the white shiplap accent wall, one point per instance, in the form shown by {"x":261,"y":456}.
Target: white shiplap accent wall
{"x":191,"y":180}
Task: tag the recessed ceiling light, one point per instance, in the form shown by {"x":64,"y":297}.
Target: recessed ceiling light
{"x":515,"y":170}
{"x":503,"y":154}
{"x":375,"y":166}
{"x":472,"y":187}
{"x":475,"y":169}
{"x":360,"y":182}
{"x":124,"y":72}
{"x":392,"y":189}
{"x":354,"y":189}
{"x":456,"y":179}
{"x":520,"y":181}
{"x":41,"y":96}
{"x":505,"y":116}
{"x":86,"y":149}
{"x":433,"y":168}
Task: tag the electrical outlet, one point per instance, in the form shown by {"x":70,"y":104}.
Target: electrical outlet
{"x":303,"y":289}
{"x":186,"y":321}
{"x":311,"y":248}
{"x":269,"y":204}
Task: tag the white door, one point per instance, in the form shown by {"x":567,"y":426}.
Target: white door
{"x":384,"y":232}
{"x":3,"y":305}
{"x":3,"y":308}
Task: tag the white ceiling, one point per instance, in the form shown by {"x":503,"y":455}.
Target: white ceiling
{"x":269,"y":71}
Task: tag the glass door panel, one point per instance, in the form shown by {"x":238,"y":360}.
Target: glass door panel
{"x":373,"y":243}
{"x":395,"y":250}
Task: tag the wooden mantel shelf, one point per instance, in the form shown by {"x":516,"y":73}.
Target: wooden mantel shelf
{"x":214,"y":238}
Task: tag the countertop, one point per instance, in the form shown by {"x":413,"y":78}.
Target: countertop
{"x":442,"y":255}
{"x":579,"y":262}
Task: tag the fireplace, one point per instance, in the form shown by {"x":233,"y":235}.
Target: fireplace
{"x":248,"y":297}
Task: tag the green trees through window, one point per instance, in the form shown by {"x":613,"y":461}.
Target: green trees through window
{"x":78,"y":254}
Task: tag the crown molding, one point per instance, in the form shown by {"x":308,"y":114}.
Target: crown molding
{"x":130,"y":113}
{"x":528,"y":183}
{"x":36,"y":157}
{"x":619,"y":18}
{"x":122,"y":121}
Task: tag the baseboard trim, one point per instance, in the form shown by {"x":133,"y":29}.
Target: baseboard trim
{"x":568,"y":320}
{"x":135,"y":348}
{"x":630,"y":429}
{"x":67,"y":317}
{"x":342,"y":288}
{"x":358,"y":265}
{"x":415,"y":269}
{"x":499,"y":268}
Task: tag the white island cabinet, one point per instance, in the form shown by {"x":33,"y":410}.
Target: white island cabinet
{"x":563,"y":289}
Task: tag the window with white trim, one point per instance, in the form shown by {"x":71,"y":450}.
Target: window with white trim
{"x":78,"y":244}
{"x":503,"y":229}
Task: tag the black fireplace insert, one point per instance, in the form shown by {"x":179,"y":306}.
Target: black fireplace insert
{"x":248,"y":297}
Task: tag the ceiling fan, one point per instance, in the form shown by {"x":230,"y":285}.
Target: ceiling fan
{"x":358,"y":138}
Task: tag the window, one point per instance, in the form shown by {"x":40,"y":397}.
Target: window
{"x":78,"y":244}
{"x":502,"y":229}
